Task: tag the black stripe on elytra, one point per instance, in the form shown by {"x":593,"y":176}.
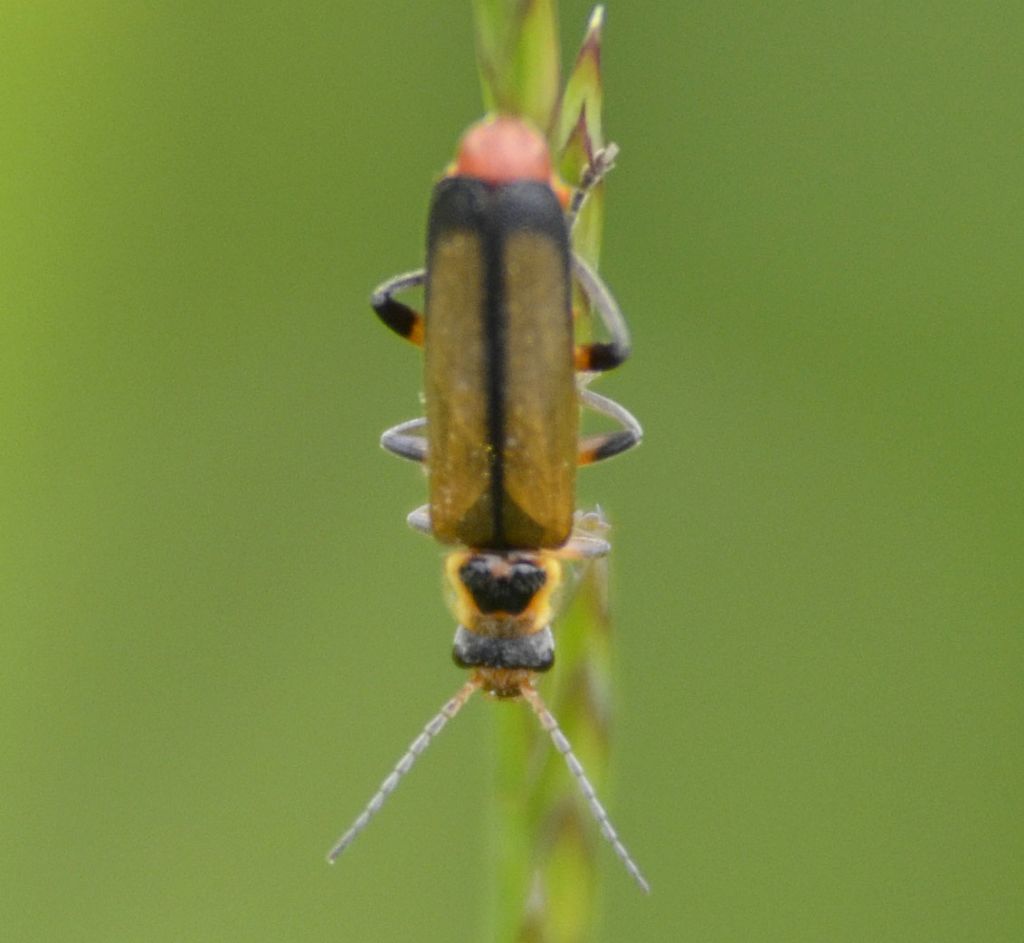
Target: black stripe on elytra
{"x":495,"y":342}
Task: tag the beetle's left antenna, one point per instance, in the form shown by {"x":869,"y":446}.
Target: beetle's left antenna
{"x":548,"y":722}
{"x":431,"y":730}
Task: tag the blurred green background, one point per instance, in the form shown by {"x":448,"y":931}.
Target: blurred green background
{"x":216,"y":633}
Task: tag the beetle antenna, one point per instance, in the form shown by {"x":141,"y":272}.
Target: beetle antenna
{"x":548,"y":722}
{"x":593,"y":174}
{"x":431,"y":730}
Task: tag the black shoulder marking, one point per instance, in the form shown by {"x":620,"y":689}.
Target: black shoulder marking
{"x":528,"y":204}
{"x":457,"y":203}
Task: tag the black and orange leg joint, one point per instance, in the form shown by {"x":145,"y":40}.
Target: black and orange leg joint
{"x":402,"y":319}
{"x":599,"y":447}
{"x":598,"y":357}
{"x":604,"y":445}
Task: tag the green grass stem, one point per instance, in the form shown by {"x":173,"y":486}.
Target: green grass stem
{"x":546,"y":842}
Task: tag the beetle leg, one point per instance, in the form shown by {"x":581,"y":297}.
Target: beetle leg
{"x":402,"y":319}
{"x":582,"y":547}
{"x":601,"y":356}
{"x":587,"y":541}
{"x":398,"y":441}
{"x":419,"y":520}
{"x":595,"y":448}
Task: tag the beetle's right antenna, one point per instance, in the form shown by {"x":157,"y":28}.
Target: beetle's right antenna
{"x":593,"y":174}
{"x":548,"y":722}
{"x":432,"y":729}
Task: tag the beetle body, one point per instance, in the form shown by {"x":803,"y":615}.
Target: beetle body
{"x":500,"y":441}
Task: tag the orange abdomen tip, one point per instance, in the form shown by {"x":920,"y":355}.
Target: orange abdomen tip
{"x":500,"y":150}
